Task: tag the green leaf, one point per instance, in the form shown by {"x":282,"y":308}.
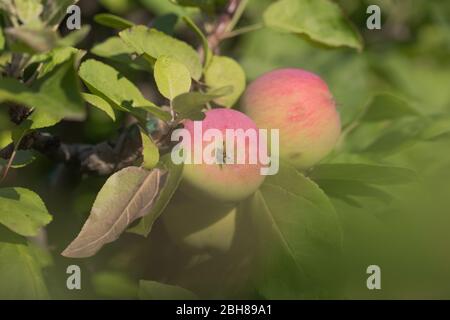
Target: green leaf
{"x":112,"y":86}
{"x":62,"y":90}
{"x":2,"y":40}
{"x":22,"y":158}
{"x":75,"y":37}
{"x":113,"y":21}
{"x":57,"y":93}
{"x":437,"y":129}
{"x":41,"y":255}
{"x":118,"y":6}
{"x":41,"y":119}
{"x":115,"y":49}
{"x":396,"y":138}
{"x":346,"y":190}
{"x":55,"y":11}
{"x":145,"y":225}
{"x":20,"y":273}
{"x":54,"y":58}
{"x":29,"y":11}
{"x":152,"y":290}
{"x":387,"y":107}
{"x":366,"y":173}
{"x":208,"y":54}
{"x":190,"y":105}
{"x":114,"y":285}
{"x":22,"y":211}
{"x":320,"y":20}
{"x":14,"y":91}
{"x":222,"y":72}
{"x":5,"y":139}
{"x":101,"y":104}
{"x":150,"y":151}
{"x":299,"y":235}
{"x":166,"y":23}
{"x":26,"y":40}
{"x":154,"y":44}
{"x":126,"y":196}
{"x":172,"y":77}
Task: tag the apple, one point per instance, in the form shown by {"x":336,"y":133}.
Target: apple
{"x":301,"y":106}
{"x":231,"y":181}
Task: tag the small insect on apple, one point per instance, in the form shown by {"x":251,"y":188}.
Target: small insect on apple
{"x":214,"y":173}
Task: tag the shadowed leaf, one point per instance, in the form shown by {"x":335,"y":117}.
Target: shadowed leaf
{"x":366,"y":173}
{"x":298,"y":232}
{"x":113,"y":21}
{"x":126,"y":196}
{"x":152,"y":290}
{"x":145,"y":225}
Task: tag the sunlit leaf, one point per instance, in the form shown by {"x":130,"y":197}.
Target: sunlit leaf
{"x":190,"y":105}
{"x":115,"y":49}
{"x":101,"y":104}
{"x":22,"y":211}
{"x":57,"y":93}
{"x":172,"y":77}
{"x":320,"y":20}
{"x":150,"y":151}
{"x":222,"y":72}
{"x":20,"y":272}
{"x":111,"y":85}
{"x":154,"y":44}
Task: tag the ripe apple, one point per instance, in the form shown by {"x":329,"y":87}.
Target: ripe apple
{"x":300,"y":105}
{"x":228,"y":182}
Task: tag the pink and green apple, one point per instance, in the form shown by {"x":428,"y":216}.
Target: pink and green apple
{"x":301,"y":106}
{"x":228,"y":182}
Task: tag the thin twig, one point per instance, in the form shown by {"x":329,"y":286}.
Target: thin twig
{"x":8,"y":166}
{"x":242,"y":31}
{"x":222,"y":24}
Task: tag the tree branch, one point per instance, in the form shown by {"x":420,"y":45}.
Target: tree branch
{"x":107,"y":157}
{"x":222,"y":25}
{"x":100,"y":159}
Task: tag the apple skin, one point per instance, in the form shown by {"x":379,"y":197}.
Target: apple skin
{"x":228,"y":183}
{"x":300,"y":105}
